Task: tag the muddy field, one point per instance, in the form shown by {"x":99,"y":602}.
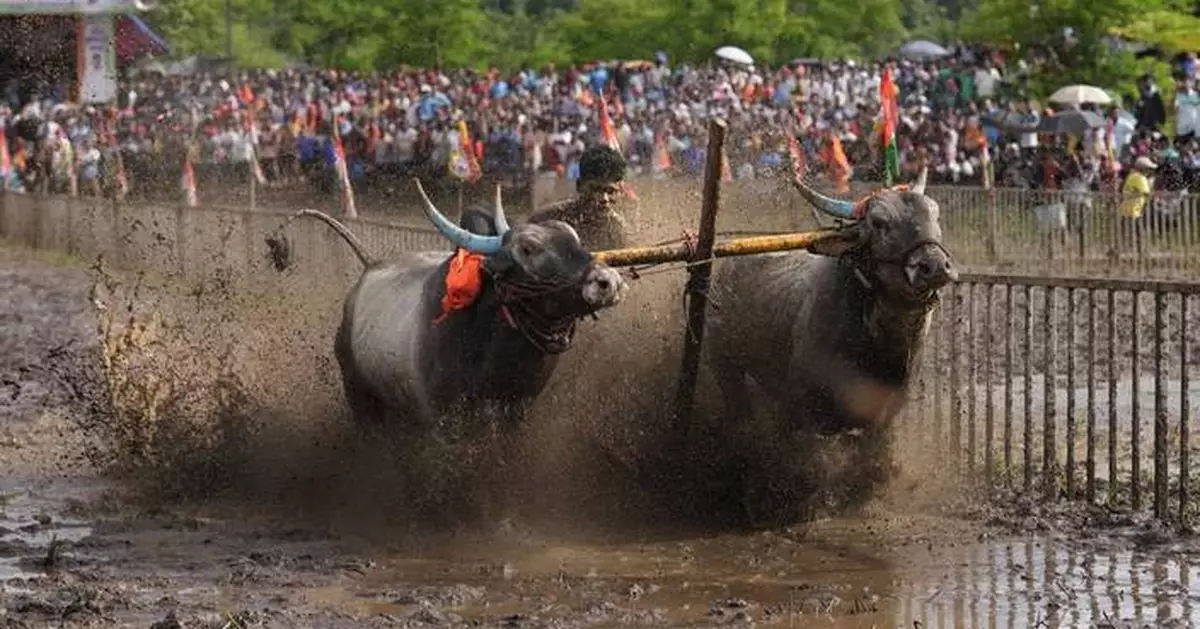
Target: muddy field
{"x":206,"y":476}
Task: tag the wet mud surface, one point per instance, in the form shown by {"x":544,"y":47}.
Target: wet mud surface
{"x":82,"y":547}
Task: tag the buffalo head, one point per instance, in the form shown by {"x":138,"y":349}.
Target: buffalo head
{"x":539,"y":269}
{"x":895,"y":243}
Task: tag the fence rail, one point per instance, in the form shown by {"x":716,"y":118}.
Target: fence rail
{"x":998,"y":230}
{"x":1069,"y":387}
{"x":1066,"y":387}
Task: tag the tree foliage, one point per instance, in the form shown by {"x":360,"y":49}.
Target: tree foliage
{"x":1074,"y":36}
{"x":380,"y":34}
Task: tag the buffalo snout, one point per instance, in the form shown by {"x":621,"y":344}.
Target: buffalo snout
{"x":603,"y":286}
{"x":930,"y":268}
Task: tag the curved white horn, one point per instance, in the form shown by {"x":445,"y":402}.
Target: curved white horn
{"x":498,"y":213}
{"x":919,"y":187}
{"x":836,"y":208}
{"x":460,"y":237}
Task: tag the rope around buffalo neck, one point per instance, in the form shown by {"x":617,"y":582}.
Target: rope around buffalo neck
{"x":548,"y":336}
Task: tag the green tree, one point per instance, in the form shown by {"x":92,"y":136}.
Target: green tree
{"x":1086,"y":56}
{"x":381,"y":34}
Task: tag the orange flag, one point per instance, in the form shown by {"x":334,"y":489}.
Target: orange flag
{"x":836,"y":164}
{"x":611,"y":139}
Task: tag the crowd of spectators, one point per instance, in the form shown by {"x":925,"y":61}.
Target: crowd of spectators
{"x":537,"y":122}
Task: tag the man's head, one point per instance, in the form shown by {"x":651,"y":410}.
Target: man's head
{"x":601,"y":173}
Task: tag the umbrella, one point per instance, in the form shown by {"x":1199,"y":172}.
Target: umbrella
{"x":735,"y":55}
{"x":1008,"y":121}
{"x":1079,"y":95}
{"x":921,"y":49}
{"x":1070,"y":123}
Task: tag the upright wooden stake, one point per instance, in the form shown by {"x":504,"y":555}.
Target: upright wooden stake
{"x":698,"y":277}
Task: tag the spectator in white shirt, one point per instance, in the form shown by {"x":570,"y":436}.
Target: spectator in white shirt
{"x":1187,"y":111}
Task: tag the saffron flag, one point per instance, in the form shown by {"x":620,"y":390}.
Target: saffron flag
{"x":342,"y":170}
{"x":836,"y":164}
{"x":606,"y":127}
{"x":463,"y":163}
{"x":251,"y":129}
{"x":797,"y":154}
{"x":6,"y":167}
{"x":662,"y":156}
{"x":189,"y":183}
{"x":613,"y":142}
{"x":890,"y":118}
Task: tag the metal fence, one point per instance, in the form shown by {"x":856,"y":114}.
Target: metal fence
{"x":199,"y":243}
{"x":1068,"y":387}
{"x":1070,"y":233}
{"x":1002,"y":230}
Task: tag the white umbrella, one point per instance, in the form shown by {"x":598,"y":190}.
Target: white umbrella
{"x":735,"y":55}
{"x":1079,"y":95}
{"x":922,"y":49}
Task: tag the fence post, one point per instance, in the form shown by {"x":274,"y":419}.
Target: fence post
{"x":993,"y":246}
{"x":1135,"y":440}
{"x":1160,"y":411}
{"x":1049,"y":406}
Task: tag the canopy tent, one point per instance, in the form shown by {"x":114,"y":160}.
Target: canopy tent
{"x":134,"y":38}
{"x":70,"y":7}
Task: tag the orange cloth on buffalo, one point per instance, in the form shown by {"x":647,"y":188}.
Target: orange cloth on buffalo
{"x":464,"y":282}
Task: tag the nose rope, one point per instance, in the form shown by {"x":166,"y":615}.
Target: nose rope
{"x":549,"y":335}
{"x":860,"y":270}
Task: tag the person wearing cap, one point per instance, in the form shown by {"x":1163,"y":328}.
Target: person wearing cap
{"x":1134,"y":196}
{"x":592,"y":212}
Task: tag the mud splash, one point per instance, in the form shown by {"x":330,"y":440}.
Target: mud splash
{"x":265,"y":514}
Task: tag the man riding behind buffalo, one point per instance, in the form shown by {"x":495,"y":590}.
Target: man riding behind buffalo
{"x":592,"y":212}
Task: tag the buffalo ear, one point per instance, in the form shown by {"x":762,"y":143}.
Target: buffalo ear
{"x":839,"y":244}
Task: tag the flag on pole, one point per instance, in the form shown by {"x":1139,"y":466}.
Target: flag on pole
{"x":252,"y":137}
{"x":606,"y":127}
{"x":797,"y":154}
{"x":613,"y":142}
{"x":463,"y":163}
{"x":890,"y":118}
{"x":836,"y":164}
{"x":6,"y":167}
{"x":343,"y":172}
{"x":189,"y":182}
{"x":662,"y":157}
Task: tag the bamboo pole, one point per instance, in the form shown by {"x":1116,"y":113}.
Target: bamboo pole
{"x":698,"y":278}
{"x":682,"y":252}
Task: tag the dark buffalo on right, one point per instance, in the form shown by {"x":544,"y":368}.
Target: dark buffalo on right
{"x":830,"y":336}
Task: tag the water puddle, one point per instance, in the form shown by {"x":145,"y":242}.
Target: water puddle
{"x":27,"y":532}
{"x":1024,"y":582}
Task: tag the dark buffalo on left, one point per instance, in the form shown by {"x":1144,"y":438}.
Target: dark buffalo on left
{"x":410,"y":358}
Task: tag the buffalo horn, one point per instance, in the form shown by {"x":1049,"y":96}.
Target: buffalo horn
{"x":499,"y":218}
{"x":919,"y":187}
{"x":833,"y":207}
{"x":460,"y":237}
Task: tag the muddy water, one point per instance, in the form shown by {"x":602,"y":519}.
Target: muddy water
{"x":120,"y":563}
{"x":833,"y":578}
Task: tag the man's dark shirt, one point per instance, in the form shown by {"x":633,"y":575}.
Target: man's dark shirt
{"x":598,"y":229}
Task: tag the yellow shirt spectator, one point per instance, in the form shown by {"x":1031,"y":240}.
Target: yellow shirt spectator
{"x":1134,"y":193}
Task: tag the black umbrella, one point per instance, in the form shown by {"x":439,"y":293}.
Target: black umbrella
{"x":1074,"y":122}
{"x":1008,"y":121}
